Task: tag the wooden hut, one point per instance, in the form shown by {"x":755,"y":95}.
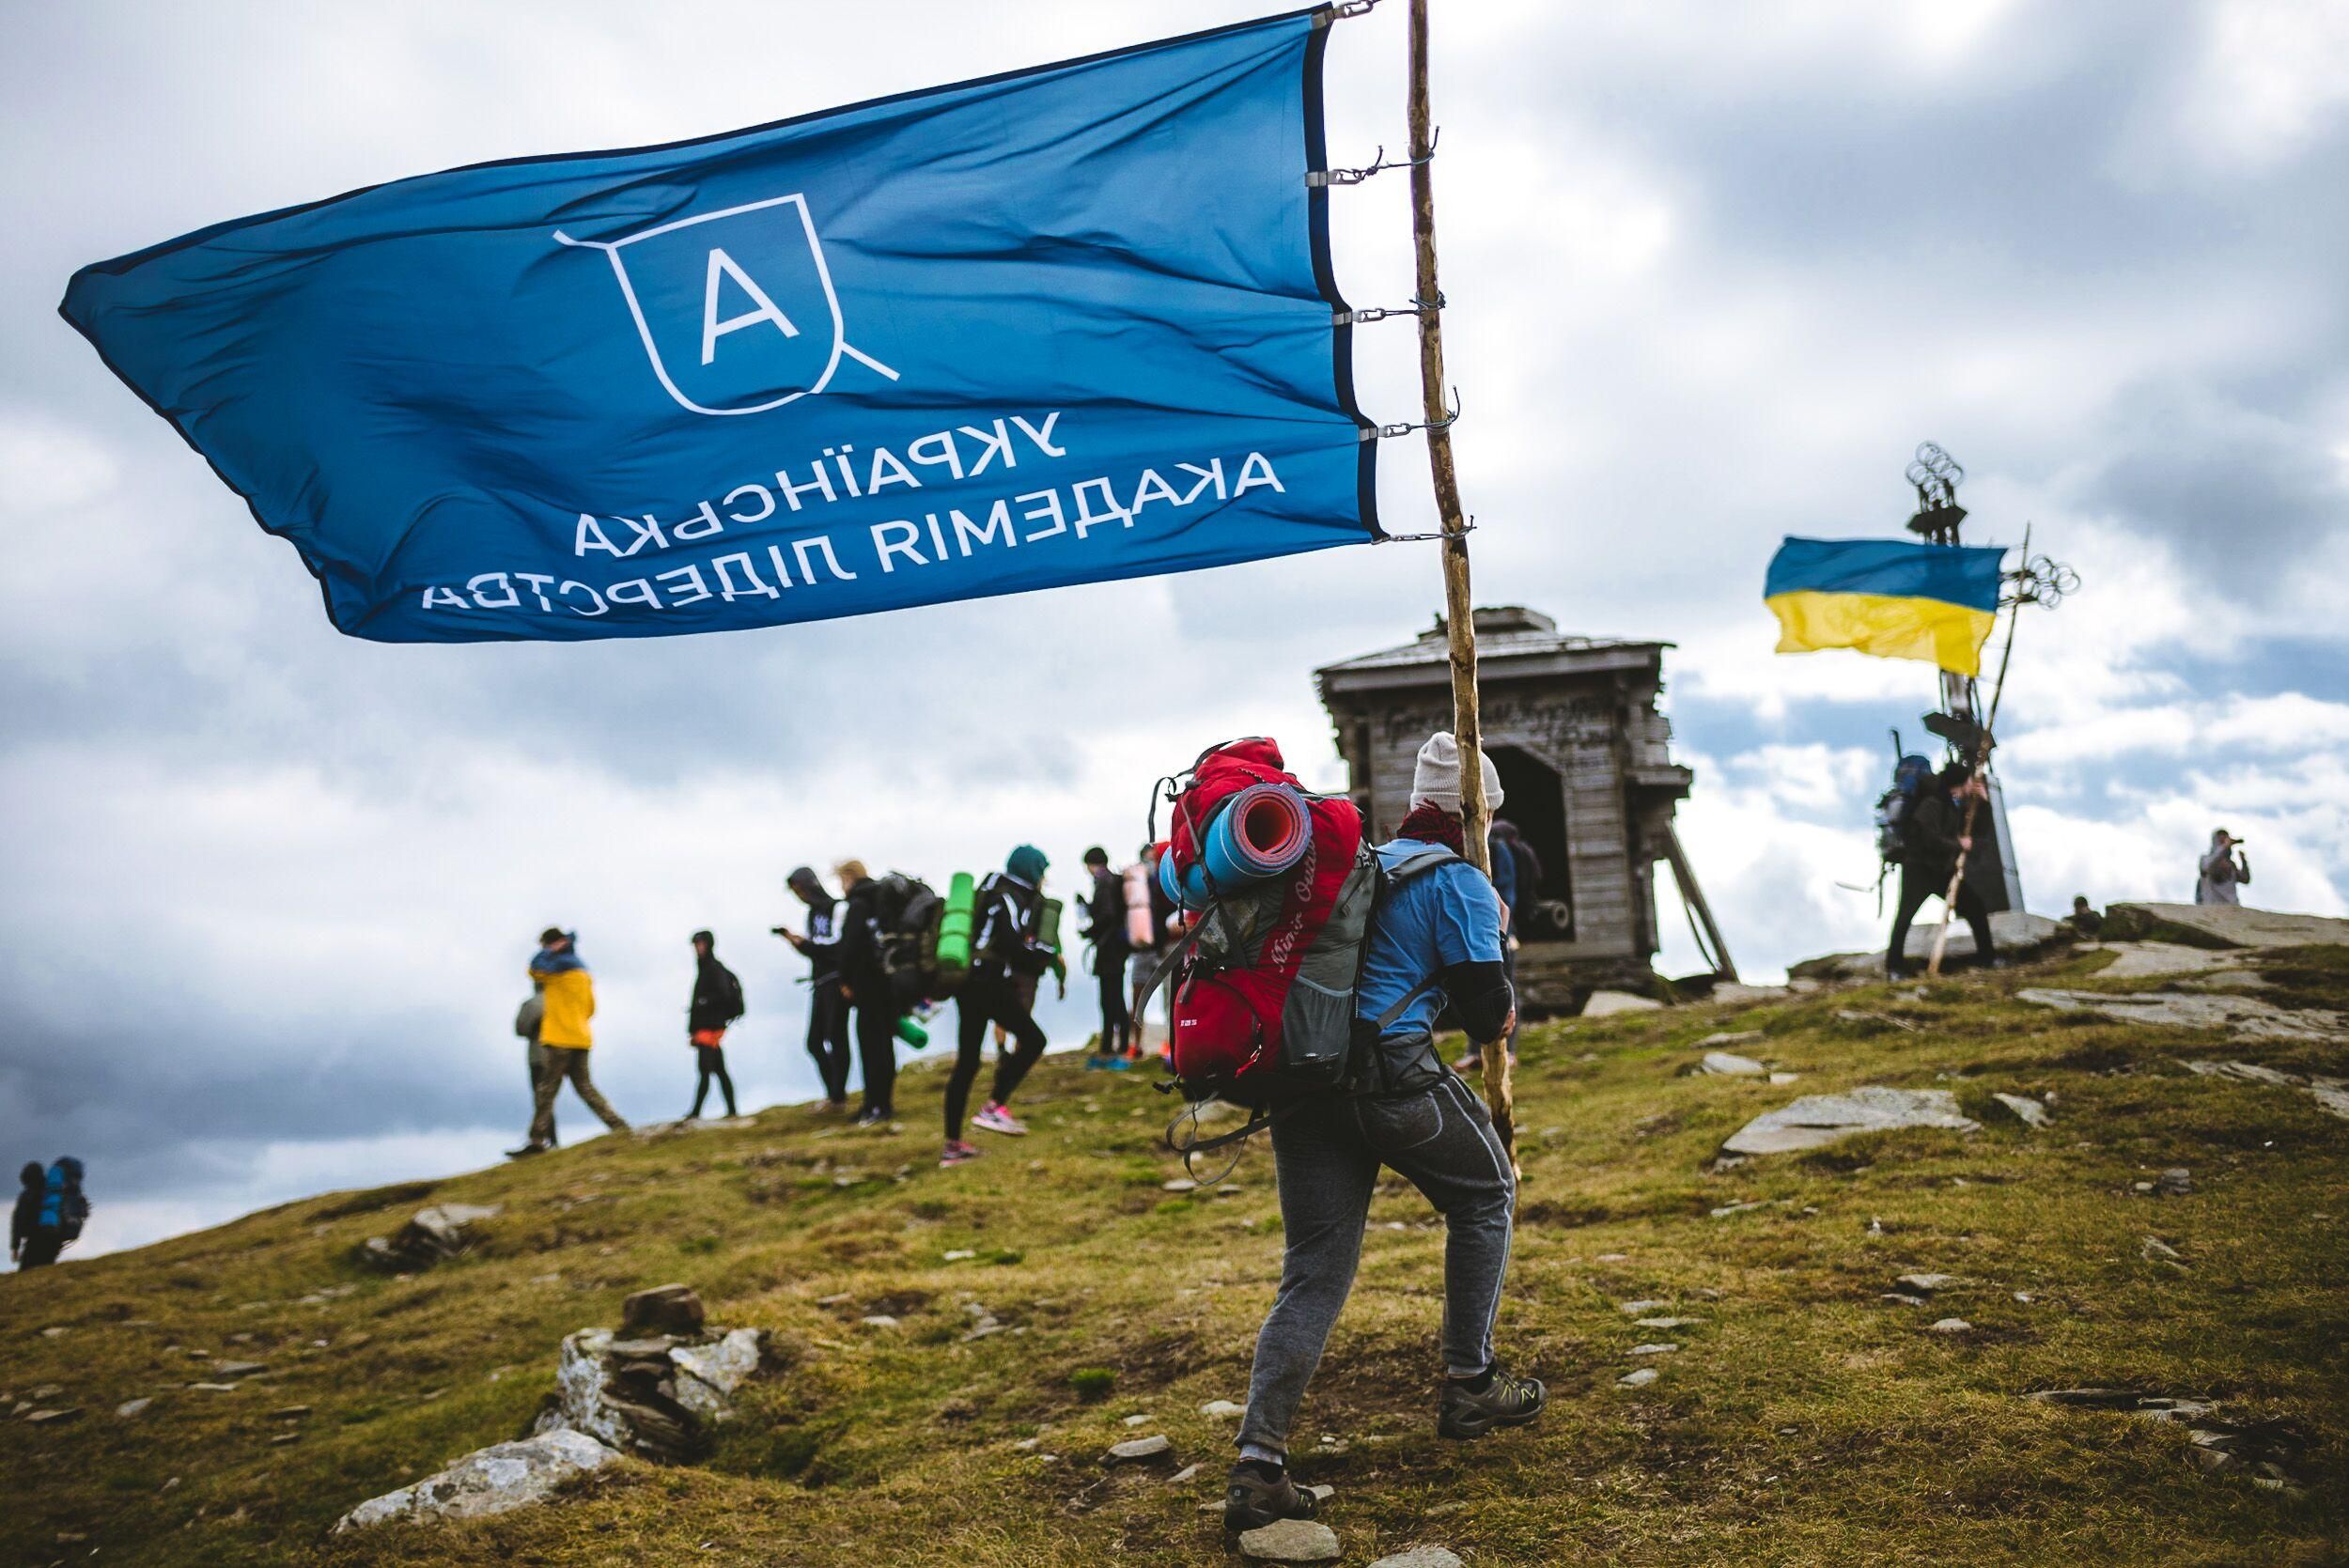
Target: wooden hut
{"x":1585,"y":762}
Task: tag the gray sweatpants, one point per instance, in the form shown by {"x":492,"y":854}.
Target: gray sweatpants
{"x":1327,"y":1152}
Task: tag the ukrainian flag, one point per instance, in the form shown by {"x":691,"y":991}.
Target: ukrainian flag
{"x":1882,"y":597}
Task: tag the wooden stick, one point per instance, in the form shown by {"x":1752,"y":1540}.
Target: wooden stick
{"x":1459,"y":604}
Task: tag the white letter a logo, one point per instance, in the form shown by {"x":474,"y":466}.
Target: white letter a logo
{"x":713,"y":329}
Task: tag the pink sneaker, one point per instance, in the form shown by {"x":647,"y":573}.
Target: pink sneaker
{"x":958,"y":1153}
{"x":994,"y":1118}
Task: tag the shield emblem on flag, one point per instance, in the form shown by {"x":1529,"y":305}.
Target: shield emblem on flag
{"x":736,"y":309}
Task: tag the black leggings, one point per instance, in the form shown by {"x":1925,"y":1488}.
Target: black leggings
{"x":877,"y":1049}
{"x":1916,"y":886}
{"x":828,"y":1037}
{"x":712,"y":1060}
{"x":988,"y":999}
{"x":1117,"y":1024}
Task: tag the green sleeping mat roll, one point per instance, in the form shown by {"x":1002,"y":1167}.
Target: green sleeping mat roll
{"x":954,"y":926}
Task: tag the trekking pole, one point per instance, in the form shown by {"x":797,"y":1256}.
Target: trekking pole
{"x":1459,"y":605}
{"x":1973,"y":802}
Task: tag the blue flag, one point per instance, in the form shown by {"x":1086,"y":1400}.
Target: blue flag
{"x":1057,"y":326}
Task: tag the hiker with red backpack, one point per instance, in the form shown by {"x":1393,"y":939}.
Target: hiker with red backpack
{"x":1008,"y":947}
{"x":1307,"y":988}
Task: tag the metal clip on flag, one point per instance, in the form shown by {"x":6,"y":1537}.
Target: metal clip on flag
{"x":1062,"y":325}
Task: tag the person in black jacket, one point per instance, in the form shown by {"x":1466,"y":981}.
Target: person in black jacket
{"x":827,"y":1009}
{"x":1105,"y":928}
{"x":864,"y":985}
{"x":32,"y":1185}
{"x":1936,"y":834}
{"x":717,"y":1002}
{"x":1005,"y":946}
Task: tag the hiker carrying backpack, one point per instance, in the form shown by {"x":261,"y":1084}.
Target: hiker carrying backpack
{"x":64,"y":1210}
{"x":1313,"y":994}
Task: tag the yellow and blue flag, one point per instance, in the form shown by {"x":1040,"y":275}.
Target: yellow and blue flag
{"x":1883,"y":597}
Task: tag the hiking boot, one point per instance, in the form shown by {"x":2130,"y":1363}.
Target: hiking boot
{"x":958,"y":1153}
{"x":1508,"y":1400}
{"x":994,"y":1118}
{"x":526,"y":1150}
{"x":1255,"y":1494}
{"x":874,"y":1118}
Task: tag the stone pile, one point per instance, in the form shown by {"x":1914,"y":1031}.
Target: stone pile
{"x":435,"y":1235}
{"x":660,"y":1386}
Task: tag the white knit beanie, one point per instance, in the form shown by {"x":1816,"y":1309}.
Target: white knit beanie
{"x":1436,"y":778}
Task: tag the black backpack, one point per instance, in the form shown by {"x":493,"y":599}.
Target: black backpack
{"x":730,"y":993}
{"x":905,"y":912}
{"x":1897,"y":805}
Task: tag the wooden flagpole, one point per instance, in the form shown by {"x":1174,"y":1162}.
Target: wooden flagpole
{"x":1459,"y":605}
{"x":1981,"y":765}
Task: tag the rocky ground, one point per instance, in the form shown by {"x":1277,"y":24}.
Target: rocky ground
{"x":2038,"y":1265}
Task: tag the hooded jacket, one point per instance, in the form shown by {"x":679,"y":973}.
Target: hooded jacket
{"x":570,"y":998}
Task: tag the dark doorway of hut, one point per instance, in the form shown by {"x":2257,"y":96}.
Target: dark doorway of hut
{"x":1533,"y":800}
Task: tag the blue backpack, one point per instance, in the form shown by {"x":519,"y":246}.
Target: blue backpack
{"x":63,"y":1208}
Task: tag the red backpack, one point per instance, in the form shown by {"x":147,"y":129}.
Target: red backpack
{"x":1262,"y":997}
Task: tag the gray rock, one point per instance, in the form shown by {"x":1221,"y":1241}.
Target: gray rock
{"x":2246,"y":1017}
{"x":708,"y":1374}
{"x":129,"y":1407}
{"x":494,"y":1479}
{"x":1666,"y":1322}
{"x":1179,"y":1183}
{"x":2014,"y":931}
{"x":1639,"y":1379}
{"x":2024,"y":1109}
{"x":2145,"y":960}
{"x":1729,"y":1037}
{"x":1721,"y":1064}
{"x":1607,"y":1004}
{"x":2248,"y":1072}
{"x":1925,"y":1284}
{"x":1782,"y":1080}
{"x":1420,"y":1557}
{"x":45,"y":1417}
{"x":662,"y":1309}
{"x":1737,"y":992}
{"x":1224,"y":1410}
{"x":1188,"y":1472}
{"x":2176,"y":1182}
{"x":879,"y":1320}
{"x":1290,"y":1541}
{"x":238,"y":1369}
{"x":433,"y":1236}
{"x":1135,"y":1450}
{"x":1727,"y":1209}
{"x":2088,"y":1399}
{"x":1902,"y":1298}
{"x":1654,"y":1349}
{"x":1633,"y":1309}
{"x":2233,"y":926}
{"x":1815,"y":1120}
{"x":1952,"y":1325}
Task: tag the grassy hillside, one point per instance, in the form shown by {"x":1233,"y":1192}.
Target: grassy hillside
{"x":1804,"y":1420}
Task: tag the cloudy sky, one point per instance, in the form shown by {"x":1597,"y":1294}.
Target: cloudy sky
{"x":269,"y":891}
